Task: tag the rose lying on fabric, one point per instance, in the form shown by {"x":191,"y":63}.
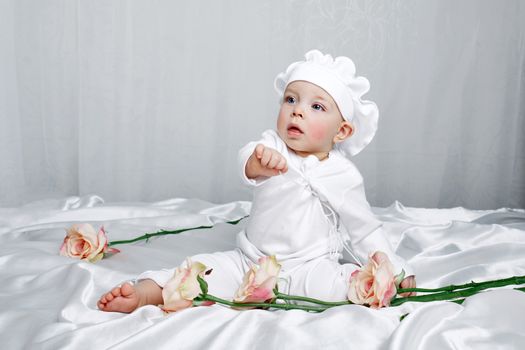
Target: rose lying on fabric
{"x":375,"y":283}
{"x":84,"y":243}
{"x":183,"y":287}
{"x":259,"y":283}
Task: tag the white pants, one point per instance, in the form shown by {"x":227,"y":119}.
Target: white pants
{"x":320,"y":278}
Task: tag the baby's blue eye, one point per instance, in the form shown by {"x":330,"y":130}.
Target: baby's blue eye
{"x":318,"y":107}
{"x":290,"y":99}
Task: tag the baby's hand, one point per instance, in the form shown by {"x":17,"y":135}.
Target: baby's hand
{"x":408,"y":282}
{"x":265,"y":161}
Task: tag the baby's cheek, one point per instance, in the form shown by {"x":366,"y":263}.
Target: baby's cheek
{"x":318,"y":132}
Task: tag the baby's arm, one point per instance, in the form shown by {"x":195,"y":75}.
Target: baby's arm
{"x":265,"y":162}
{"x":345,"y":191}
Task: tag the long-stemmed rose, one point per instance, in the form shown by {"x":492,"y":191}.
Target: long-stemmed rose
{"x":84,"y":243}
{"x":259,"y":282}
{"x":375,"y":283}
{"x":259,"y":290}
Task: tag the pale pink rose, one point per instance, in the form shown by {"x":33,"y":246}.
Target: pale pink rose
{"x":373,"y":284}
{"x":259,"y":282}
{"x":84,"y":243}
{"x":183,"y":287}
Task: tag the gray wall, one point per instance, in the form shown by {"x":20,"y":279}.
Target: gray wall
{"x":147,"y":100}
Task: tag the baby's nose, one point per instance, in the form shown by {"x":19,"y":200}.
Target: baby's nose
{"x":297,"y":112}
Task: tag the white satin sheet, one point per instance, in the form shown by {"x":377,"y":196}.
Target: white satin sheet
{"x":49,"y":302}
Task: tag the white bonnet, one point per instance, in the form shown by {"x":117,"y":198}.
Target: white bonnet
{"x":337,"y":77}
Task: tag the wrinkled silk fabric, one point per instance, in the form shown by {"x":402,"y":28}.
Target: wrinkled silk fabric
{"x":49,"y":302}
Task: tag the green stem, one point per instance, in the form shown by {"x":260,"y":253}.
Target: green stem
{"x":312,"y":300}
{"x":502,"y":282}
{"x":147,"y":236}
{"x":455,"y":297}
{"x":463,"y":293}
{"x":210,"y":297}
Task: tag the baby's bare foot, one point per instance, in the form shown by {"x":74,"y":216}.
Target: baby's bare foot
{"x":120,"y":299}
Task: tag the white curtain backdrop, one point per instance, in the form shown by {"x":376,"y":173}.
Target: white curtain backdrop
{"x":144,"y":100}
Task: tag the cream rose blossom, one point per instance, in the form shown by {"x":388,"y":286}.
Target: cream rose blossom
{"x":83,"y":242}
{"x":259,"y":282}
{"x":375,"y":283}
{"x":183,"y":287}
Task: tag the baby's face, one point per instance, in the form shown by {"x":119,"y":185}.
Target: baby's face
{"x":309,"y":119}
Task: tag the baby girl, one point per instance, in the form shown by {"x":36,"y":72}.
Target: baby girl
{"x":309,"y":203}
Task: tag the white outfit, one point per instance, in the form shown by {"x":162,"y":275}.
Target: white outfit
{"x":304,"y":217}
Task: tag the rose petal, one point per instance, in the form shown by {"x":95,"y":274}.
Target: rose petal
{"x":259,"y":282}
{"x":183,"y":287}
{"x":374,"y":283}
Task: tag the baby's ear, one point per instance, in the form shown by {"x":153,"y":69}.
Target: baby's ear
{"x":346,"y":129}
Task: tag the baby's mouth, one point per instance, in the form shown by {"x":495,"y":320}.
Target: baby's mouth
{"x":294,"y":130}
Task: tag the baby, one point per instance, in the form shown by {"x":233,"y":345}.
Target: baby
{"x":309,"y":203}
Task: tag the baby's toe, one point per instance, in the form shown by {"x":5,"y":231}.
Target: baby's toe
{"x":116,"y":292}
{"x":126,"y":290}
